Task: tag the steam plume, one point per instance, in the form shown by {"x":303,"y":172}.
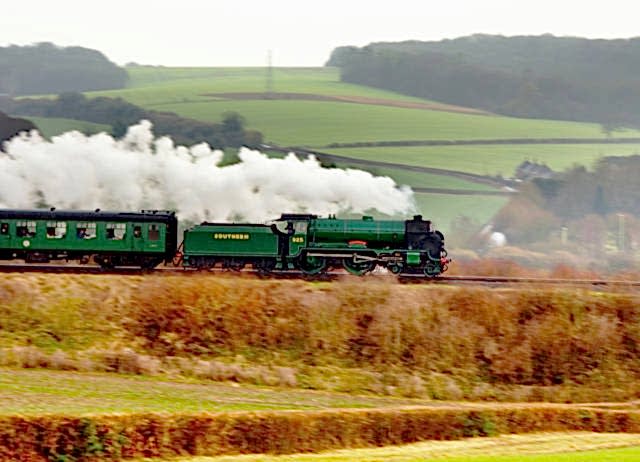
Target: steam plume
{"x":74,"y":171}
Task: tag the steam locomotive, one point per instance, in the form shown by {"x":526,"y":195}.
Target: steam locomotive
{"x":294,"y":242}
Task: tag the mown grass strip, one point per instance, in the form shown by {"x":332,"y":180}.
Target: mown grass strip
{"x":575,"y":446}
{"x":36,"y":392}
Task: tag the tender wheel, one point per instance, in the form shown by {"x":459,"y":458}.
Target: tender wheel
{"x":265,"y":265}
{"x":233,"y":264}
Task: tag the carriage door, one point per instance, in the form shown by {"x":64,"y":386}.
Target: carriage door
{"x":5,"y":235}
{"x":138,"y":237}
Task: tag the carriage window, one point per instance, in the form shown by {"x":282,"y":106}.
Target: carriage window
{"x":4,"y":228}
{"x":154,"y":233}
{"x":85,"y":230}
{"x":25,"y":228}
{"x":56,"y":229}
{"x":116,"y":231}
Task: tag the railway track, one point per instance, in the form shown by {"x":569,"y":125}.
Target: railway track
{"x":489,"y":281}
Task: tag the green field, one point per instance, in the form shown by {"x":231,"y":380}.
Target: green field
{"x":442,"y":209}
{"x":491,"y":159}
{"x":54,"y":126}
{"x":35,"y":392}
{"x":153,"y":85}
{"x":313,"y":123}
{"x":419,"y":179}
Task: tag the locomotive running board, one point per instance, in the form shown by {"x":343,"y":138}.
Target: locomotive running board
{"x":356,"y":258}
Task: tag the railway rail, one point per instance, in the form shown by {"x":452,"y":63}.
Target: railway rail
{"x":489,"y":281}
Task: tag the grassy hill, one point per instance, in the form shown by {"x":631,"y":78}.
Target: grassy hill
{"x":497,"y":159}
{"x":189,"y":92}
{"x":54,"y":126}
{"x":311,"y":107}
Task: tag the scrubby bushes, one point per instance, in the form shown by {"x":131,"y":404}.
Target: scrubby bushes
{"x":528,"y":337}
{"x":49,"y":438}
{"x":354,"y":335}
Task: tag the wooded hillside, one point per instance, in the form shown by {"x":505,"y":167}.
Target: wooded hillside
{"x":541,"y":77}
{"x":46,"y":68}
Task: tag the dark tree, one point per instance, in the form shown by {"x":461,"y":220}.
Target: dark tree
{"x":10,"y":127}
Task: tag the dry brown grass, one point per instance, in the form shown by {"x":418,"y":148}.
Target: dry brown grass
{"x":364,"y":335}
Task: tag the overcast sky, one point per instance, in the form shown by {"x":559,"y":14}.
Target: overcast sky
{"x":298,"y":33}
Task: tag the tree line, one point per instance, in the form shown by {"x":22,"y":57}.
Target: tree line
{"x":45,"y":68}
{"x":120,"y":114}
{"x":535,"y":77}
{"x":587,"y":202}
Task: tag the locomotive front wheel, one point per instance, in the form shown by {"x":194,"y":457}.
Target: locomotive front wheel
{"x":431,"y":270}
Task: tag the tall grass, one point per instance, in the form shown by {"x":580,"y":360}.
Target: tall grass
{"x":354,"y":335}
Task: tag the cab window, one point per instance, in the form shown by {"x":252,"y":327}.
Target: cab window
{"x":4,"y":229}
{"x":25,"y":228}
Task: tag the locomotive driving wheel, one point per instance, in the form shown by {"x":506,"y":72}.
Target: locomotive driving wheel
{"x":358,"y":267}
{"x":312,"y":265}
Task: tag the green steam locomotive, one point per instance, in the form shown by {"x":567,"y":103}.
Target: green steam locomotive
{"x":314,"y":245}
{"x":294,"y":242}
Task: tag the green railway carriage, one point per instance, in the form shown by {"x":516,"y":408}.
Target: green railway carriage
{"x":111,"y":239}
{"x":313,"y":245}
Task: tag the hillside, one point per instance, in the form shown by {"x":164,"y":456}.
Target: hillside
{"x":526,"y":76}
{"x":46,"y":68}
{"x":311,"y":107}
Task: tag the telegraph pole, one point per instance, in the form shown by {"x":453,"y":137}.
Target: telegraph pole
{"x":269,"y":84}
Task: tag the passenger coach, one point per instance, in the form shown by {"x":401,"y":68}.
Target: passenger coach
{"x":143,"y":239}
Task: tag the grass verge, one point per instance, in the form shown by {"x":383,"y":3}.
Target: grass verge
{"x":534,"y":447}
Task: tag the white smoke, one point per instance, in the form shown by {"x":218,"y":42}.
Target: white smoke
{"x":75,"y":171}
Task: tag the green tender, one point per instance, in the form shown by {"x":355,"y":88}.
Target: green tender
{"x":230,"y":240}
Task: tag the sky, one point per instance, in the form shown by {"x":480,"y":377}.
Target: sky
{"x":293,"y":33}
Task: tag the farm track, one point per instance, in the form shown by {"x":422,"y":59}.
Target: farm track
{"x":472,"y":177}
{"x":488,"y":281}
